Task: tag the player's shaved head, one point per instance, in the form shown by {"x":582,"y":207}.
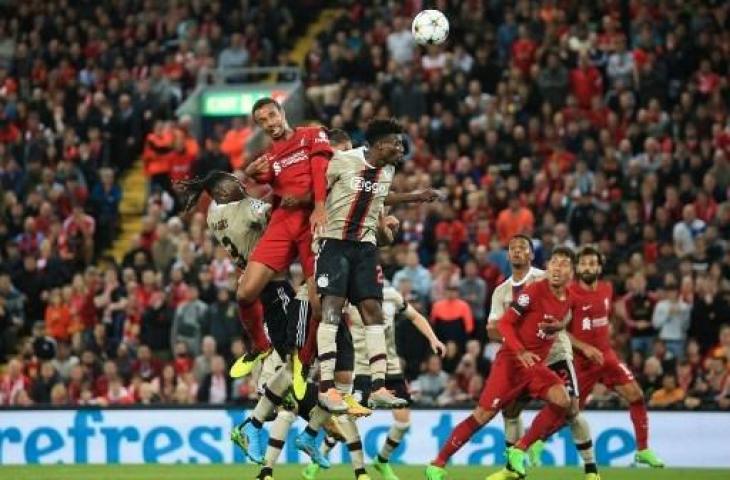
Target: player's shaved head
{"x":520,"y":251}
{"x":269,"y":115}
{"x":261,"y":102}
{"x":524,"y":237}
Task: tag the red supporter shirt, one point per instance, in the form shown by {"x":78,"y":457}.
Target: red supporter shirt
{"x":523,"y":54}
{"x":591,"y":309}
{"x":585,"y":84}
{"x":298,"y":165}
{"x":519,"y":324}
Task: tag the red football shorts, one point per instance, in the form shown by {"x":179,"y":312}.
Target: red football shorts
{"x":612,"y":373}
{"x":287,"y":237}
{"x":509,"y":379}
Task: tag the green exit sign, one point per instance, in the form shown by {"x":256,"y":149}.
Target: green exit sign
{"x":236,"y":102}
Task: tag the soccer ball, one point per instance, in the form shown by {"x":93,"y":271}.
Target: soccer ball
{"x":430,"y":27}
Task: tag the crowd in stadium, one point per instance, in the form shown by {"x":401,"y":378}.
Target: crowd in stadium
{"x":571,"y":122}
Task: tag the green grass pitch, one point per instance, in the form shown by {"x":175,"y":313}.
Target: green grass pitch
{"x":292,"y":472}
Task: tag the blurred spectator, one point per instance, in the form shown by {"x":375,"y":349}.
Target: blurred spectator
{"x":105,"y":197}
{"x":670,"y":395}
{"x":234,"y":143}
{"x":146,"y":366}
{"x":13,"y":381}
{"x":59,"y":395}
{"x":709,"y":310}
{"x":223,"y":323}
{"x":418,"y":276}
{"x":202,"y":364}
{"x":686,"y":231}
{"x":58,"y":316}
{"x":12,"y":314}
{"x":475,"y":349}
{"x":636,"y":310}
{"x":671,"y":318}
{"x":43,"y":385}
{"x":651,"y":376}
{"x":431,"y":383}
{"x":187,"y":325}
{"x":401,"y":45}
{"x":514,"y":220}
{"x":164,"y":385}
{"x":211,"y":158}
{"x":215,"y":388}
{"x":235,"y":55}
{"x":473,"y":289}
{"x":452,"y":394}
{"x":64,"y":361}
{"x":452,"y":318}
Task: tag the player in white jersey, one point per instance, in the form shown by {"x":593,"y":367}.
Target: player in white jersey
{"x":560,"y":358}
{"x":238,"y":221}
{"x":393,"y":305}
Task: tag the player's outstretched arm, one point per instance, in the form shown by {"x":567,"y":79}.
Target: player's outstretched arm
{"x":418,"y":196}
{"x":420,"y":322}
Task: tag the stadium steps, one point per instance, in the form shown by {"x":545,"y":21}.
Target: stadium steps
{"x":299,"y":52}
{"x":131,"y":209}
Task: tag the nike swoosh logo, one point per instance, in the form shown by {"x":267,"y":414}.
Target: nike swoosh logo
{"x":587,"y":307}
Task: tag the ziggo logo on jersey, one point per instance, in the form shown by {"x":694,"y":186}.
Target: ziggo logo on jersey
{"x":360,"y":184}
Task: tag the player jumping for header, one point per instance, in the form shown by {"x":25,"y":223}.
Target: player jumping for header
{"x":294,"y":165}
{"x":347,"y":265}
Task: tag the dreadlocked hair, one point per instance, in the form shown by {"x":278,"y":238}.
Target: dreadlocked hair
{"x":189,"y":191}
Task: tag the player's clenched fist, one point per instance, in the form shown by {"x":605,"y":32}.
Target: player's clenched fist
{"x":430,"y":195}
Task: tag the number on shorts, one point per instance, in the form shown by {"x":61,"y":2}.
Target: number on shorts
{"x":230,"y":247}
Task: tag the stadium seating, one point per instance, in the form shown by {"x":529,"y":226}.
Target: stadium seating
{"x":571,"y":122}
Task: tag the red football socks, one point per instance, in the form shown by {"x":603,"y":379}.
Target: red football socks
{"x":252,"y":319}
{"x":308,"y":351}
{"x":637,"y":410}
{"x":549,"y":416}
{"x":461,"y":434}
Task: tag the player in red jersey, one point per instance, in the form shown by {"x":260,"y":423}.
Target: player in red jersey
{"x":528,"y":327}
{"x":595,"y":360}
{"x":295,"y":166}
